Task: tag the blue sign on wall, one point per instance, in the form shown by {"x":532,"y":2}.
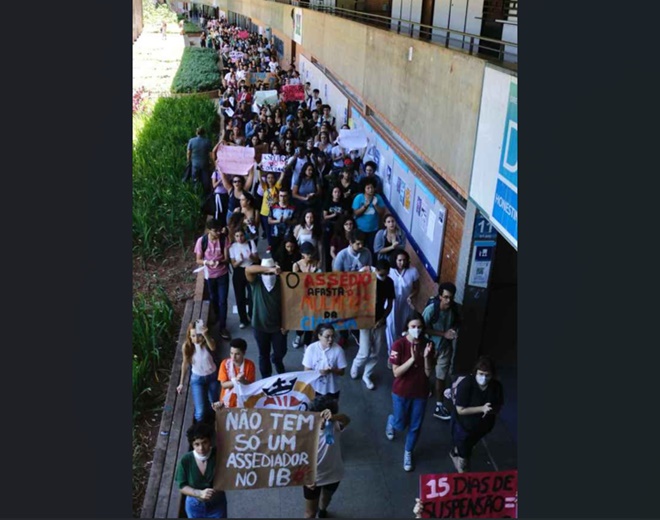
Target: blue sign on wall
{"x":505,"y":208}
{"x":483,"y":229}
{"x":509,"y":155}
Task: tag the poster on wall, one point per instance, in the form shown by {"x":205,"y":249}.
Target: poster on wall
{"x":297,"y":25}
{"x":494,"y":182}
{"x":428,"y":227}
{"x":329,"y":93}
{"x":403,"y":186}
{"x":482,"y":257}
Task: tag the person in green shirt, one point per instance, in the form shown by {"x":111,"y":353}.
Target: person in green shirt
{"x":442,"y":321}
{"x":195,"y":473}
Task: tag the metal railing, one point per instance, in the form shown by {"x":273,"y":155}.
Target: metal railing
{"x":504,"y":52}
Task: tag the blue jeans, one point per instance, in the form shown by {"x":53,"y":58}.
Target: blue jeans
{"x":214,"y":508}
{"x":408,"y":412}
{"x":218,"y":292}
{"x":264,"y":342}
{"x":205,"y":390}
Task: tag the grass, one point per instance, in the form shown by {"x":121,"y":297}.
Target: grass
{"x":165,"y":210}
{"x":198,"y":71}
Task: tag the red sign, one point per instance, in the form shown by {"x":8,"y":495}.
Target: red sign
{"x":293,"y":93}
{"x":492,"y":494}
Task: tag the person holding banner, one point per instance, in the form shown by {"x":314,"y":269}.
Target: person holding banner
{"x":412,"y":359}
{"x":308,"y":263}
{"x":328,"y":358}
{"x":479,"y":398}
{"x":235,"y":189}
{"x":270,"y":185}
{"x":372,"y":340}
{"x":267,"y":315}
{"x":329,"y":463}
{"x":236,"y":369}
{"x":195,"y":473}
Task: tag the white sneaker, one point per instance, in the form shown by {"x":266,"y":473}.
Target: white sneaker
{"x":354,"y":372}
{"x":407,"y":461}
{"x":368,"y":383}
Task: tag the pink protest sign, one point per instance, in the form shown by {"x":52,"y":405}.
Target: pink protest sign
{"x":293,"y":93}
{"x":243,"y":35}
{"x":235,"y":160}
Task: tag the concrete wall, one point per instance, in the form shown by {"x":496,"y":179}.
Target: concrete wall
{"x":138,"y":23}
{"x":432,"y":100}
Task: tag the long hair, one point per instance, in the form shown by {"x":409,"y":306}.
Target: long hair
{"x":188,"y":348}
{"x":317,"y":227}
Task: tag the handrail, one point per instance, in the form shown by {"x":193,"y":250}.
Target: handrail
{"x":412,"y":27}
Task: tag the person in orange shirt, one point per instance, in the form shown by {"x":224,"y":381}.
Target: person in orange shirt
{"x":235,"y":369}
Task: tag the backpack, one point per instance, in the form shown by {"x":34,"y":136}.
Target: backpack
{"x":205,"y":242}
{"x":435,"y":301}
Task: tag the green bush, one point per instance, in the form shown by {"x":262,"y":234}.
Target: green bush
{"x":165,"y":210}
{"x":190,"y":27}
{"x":152,"y":332}
{"x":198,"y":71}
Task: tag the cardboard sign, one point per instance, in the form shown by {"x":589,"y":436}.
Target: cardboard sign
{"x":235,"y":160}
{"x":259,"y":448}
{"x":293,"y":93}
{"x":492,"y":494}
{"x":266,"y":97}
{"x":352,"y":139}
{"x":345,"y":300}
{"x":272,"y":162}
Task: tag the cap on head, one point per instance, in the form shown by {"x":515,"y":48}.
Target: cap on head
{"x":267,"y":262}
{"x":290,"y":118}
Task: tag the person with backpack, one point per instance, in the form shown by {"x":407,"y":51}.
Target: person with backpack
{"x":479,"y":398}
{"x":212,"y":252}
{"x":442,"y":320}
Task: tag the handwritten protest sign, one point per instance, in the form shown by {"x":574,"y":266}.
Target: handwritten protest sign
{"x":243,"y":35}
{"x":345,"y":300}
{"x":265,"y":77}
{"x":352,"y":139}
{"x":259,"y":448}
{"x":272,"y":162}
{"x":293,"y":93}
{"x":470,"y":495}
{"x":235,"y":56}
{"x":235,"y":160}
{"x":265,"y":97}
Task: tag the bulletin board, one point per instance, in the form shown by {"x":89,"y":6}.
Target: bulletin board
{"x":330,"y":94}
{"x":421,"y":215}
{"x":428,"y":226}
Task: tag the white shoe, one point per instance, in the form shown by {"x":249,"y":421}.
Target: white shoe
{"x":368,"y":383}
{"x":407,"y":461}
{"x":354,"y":372}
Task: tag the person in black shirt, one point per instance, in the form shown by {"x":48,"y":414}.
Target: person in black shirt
{"x":373,"y":339}
{"x":479,"y":398}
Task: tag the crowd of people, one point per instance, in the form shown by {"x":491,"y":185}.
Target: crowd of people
{"x":323,"y":212}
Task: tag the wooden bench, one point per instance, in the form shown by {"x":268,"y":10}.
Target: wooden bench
{"x":162,"y":498}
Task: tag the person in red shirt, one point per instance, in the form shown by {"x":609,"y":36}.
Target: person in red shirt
{"x":412,"y":359}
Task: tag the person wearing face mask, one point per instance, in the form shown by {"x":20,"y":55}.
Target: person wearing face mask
{"x":267,"y":315}
{"x":479,"y":398}
{"x":373,"y":339}
{"x":328,"y":358}
{"x":195,"y":473}
{"x":412,"y":359}
{"x":197,"y":356}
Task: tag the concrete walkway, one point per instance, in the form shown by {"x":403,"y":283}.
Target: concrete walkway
{"x":375,"y":484}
